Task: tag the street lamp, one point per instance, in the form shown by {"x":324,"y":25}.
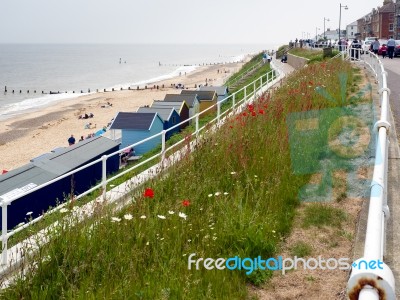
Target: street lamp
{"x":325,"y":19}
{"x":340,"y":15}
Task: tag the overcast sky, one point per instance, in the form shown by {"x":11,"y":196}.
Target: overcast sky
{"x":173,"y":21}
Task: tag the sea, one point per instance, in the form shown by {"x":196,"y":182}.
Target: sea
{"x":30,"y":74}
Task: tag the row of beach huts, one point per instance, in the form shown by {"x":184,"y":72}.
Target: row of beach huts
{"x":133,"y":126}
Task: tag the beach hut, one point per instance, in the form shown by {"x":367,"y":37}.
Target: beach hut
{"x":222,"y":91}
{"x":169,"y":115}
{"x":191,"y":100}
{"x":51,"y":166}
{"x":181,"y":107}
{"x":206,"y":99}
{"x":137,"y":126}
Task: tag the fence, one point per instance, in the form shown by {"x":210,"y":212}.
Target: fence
{"x":375,"y":282}
{"x":224,"y":108}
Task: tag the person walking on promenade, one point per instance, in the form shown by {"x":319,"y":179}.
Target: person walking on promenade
{"x":390,"y":47}
{"x":375,"y":46}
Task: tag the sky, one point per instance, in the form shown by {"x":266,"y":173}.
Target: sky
{"x":172,"y":21}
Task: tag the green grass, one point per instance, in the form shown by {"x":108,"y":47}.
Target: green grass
{"x":301,"y":249}
{"x":320,"y":215}
{"x":241,"y":193}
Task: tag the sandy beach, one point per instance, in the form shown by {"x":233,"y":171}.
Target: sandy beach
{"x":32,"y":134}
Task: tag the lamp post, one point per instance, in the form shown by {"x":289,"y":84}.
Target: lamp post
{"x":340,"y":15}
{"x":325,"y":19}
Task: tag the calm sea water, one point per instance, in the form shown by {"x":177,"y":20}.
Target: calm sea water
{"x":73,"y":67}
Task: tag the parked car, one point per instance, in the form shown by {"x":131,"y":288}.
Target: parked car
{"x":397,"y":48}
{"x":366,"y":46}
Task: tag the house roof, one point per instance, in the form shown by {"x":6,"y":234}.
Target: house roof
{"x":387,"y":8}
{"x":189,"y":98}
{"x":134,"y":120}
{"x":201,"y":95}
{"x":164,"y":104}
{"x":164,"y":112}
{"x":220,"y":90}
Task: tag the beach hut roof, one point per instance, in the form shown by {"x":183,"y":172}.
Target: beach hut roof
{"x":23,"y":179}
{"x":134,"y":120}
{"x":201,"y":95}
{"x":220,"y":90}
{"x":175,"y":105}
{"x":75,"y":156}
{"x":164,"y":112}
{"x":189,"y":98}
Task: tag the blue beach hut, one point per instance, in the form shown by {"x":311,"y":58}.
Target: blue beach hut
{"x":50,"y":166}
{"x":169,"y":115}
{"x":137,"y":126}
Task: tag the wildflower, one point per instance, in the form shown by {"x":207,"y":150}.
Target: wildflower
{"x":143,"y":217}
{"x":261,"y":111}
{"x":217,"y":193}
{"x":161,"y":217}
{"x":182,"y":215}
{"x":128,"y":217}
{"x":255,"y":176}
{"x":161,"y":239}
{"x":171,"y":212}
{"x":253,"y":113}
{"x":189,"y":240}
{"x":147,"y":243}
{"x":233,"y":173}
{"x":210,"y":195}
{"x":273,"y":231}
{"x":115,"y":219}
{"x":214,"y":238}
{"x":29,"y":213}
{"x":148,"y":193}
{"x":63,"y":210}
{"x":185,"y":202}
{"x":226,"y":193}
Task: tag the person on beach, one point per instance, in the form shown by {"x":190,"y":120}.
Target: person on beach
{"x":71,"y":140}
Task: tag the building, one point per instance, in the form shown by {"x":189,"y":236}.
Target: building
{"x":380,"y":22}
{"x":191,"y":100}
{"x":222,"y":91}
{"x":352,"y":31}
{"x":397,"y":21}
{"x":181,"y":107}
{"x":206,"y":99}
{"x":136,"y":127}
{"x":169,"y":115}
{"x":49,"y":166}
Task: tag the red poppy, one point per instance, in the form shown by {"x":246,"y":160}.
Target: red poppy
{"x":149,"y":193}
{"x":253,"y":113}
{"x":185,"y":202}
{"x":250,"y":107}
{"x":261,"y":112}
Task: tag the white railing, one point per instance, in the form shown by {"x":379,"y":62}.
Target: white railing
{"x":375,"y":280}
{"x":250,"y":92}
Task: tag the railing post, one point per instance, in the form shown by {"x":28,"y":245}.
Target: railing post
{"x":4,"y":231}
{"x":233,"y":100}
{"x":245,"y":94}
{"x":104,"y":176}
{"x":218,"y":111}
{"x":197,"y":125}
{"x":163,"y":139}
{"x":254,"y":90}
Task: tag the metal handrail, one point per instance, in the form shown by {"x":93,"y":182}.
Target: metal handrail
{"x":370,"y":283}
